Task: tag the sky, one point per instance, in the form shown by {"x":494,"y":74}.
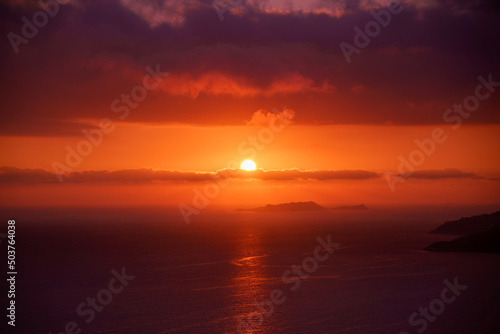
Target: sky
{"x":131,"y":102}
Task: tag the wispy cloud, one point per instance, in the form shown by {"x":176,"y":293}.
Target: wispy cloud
{"x":264,"y":118}
{"x":447,"y":173}
{"x":13,"y":175}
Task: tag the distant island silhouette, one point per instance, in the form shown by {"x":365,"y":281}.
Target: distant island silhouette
{"x":482,"y":234}
{"x":301,"y":206}
{"x":475,"y":224}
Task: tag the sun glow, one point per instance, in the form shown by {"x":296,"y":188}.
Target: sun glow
{"x":248,"y":165}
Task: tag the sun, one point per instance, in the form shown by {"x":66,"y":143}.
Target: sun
{"x":248,"y":165}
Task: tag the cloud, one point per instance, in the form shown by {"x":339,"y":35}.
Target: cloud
{"x":13,"y":175}
{"x":159,"y":12}
{"x":42,"y":127}
{"x":225,"y":84}
{"x":447,"y":173}
{"x":266,"y":53}
{"x":174,"y":12}
{"x":299,"y":175}
{"x":265,"y":118}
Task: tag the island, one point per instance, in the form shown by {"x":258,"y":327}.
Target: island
{"x":482,"y":234}
{"x":301,"y":206}
{"x":475,"y":224}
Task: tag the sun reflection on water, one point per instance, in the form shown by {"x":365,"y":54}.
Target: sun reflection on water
{"x":249,"y":282}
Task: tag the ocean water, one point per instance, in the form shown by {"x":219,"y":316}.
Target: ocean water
{"x":206,"y":277}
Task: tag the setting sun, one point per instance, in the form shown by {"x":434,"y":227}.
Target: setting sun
{"x":248,"y":165}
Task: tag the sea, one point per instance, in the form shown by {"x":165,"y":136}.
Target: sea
{"x":144,"y":270}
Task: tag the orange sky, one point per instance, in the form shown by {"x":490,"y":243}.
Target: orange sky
{"x":188,"y":148}
{"x":207,"y":149}
{"x":169,"y":94}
